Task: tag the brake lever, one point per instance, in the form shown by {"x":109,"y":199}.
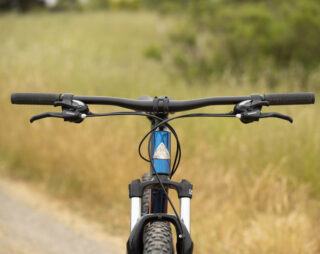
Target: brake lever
{"x":45,"y":115}
{"x":277,"y":115}
{"x":68,"y":116}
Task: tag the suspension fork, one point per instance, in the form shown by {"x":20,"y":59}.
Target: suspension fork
{"x":183,"y":188}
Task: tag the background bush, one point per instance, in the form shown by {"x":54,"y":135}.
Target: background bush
{"x":243,"y":35}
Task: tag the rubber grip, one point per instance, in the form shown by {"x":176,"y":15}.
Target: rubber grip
{"x":35,"y":98}
{"x":290,"y":98}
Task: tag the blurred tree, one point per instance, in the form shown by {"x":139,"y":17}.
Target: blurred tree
{"x":20,"y":5}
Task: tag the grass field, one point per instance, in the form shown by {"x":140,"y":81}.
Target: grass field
{"x":256,"y":187}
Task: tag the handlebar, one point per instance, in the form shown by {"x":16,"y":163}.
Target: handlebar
{"x":163,"y":104}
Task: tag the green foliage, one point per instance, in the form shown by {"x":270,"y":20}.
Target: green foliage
{"x":242,"y":35}
{"x":73,"y":5}
{"x":125,"y":4}
{"x":153,"y":52}
{"x":165,"y":6}
{"x":98,"y":4}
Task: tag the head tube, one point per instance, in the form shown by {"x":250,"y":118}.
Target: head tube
{"x":161,"y":152}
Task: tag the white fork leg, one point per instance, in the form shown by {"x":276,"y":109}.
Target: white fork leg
{"x":135,"y":211}
{"x":185,"y":212}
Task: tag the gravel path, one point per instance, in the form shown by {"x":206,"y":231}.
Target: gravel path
{"x":29,"y":228}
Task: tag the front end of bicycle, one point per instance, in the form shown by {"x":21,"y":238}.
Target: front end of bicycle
{"x":150,"y":227}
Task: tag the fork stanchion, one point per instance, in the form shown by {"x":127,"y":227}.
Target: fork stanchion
{"x":135,"y":212}
{"x":185,"y":211}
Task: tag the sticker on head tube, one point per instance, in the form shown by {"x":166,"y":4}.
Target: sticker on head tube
{"x":161,"y":152}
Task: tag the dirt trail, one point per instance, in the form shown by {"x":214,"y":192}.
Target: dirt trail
{"x":30,"y":223}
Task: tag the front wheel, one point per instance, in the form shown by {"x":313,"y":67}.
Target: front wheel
{"x":157,"y":238}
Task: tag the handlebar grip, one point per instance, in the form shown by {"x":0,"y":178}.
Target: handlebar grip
{"x":290,"y":98}
{"x":35,"y":98}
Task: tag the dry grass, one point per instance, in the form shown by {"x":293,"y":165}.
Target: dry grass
{"x":256,"y":187}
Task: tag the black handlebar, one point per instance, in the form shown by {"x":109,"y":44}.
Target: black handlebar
{"x":172,"y":105}
{"x":163,"y":104}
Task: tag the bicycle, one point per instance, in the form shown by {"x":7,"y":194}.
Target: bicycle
{"x":150,"y":230}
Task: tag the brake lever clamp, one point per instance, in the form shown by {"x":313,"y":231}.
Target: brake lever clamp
{"x":249,"y":111}
{"x":72,"y":110}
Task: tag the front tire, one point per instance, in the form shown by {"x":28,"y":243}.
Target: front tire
{"x":157,"y":238}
